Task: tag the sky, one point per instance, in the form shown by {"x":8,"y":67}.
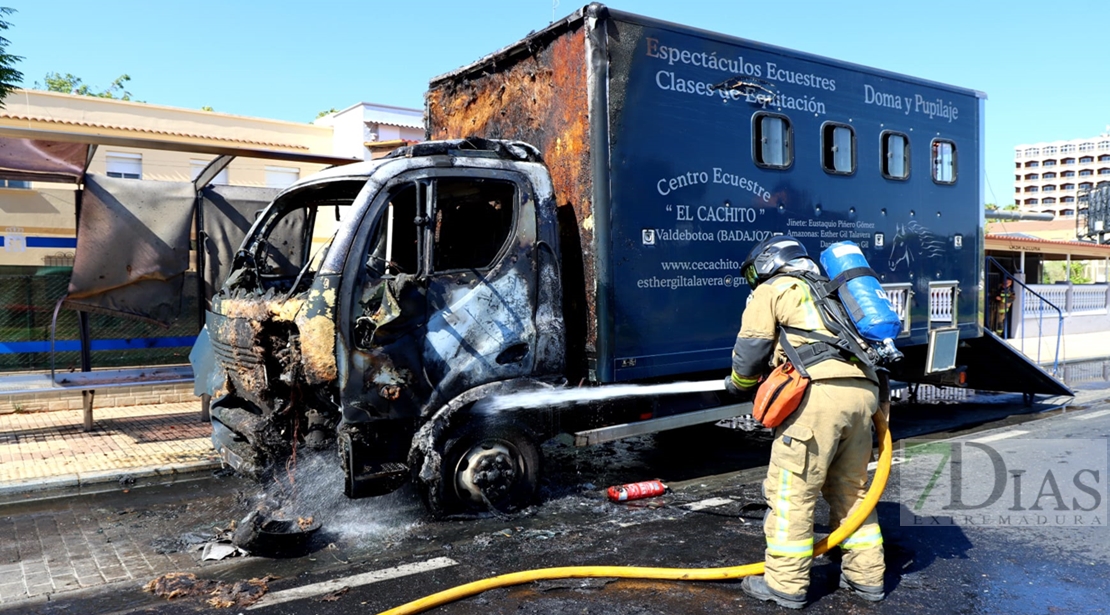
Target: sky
{"x":1044,"y":66}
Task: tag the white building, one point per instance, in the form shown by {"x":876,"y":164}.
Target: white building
{"x":1049,"y":176}
{"x":367,"y":130}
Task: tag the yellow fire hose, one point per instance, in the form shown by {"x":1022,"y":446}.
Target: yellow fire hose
{"x":850,"y":525}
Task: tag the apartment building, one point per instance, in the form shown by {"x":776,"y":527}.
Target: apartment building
{"x":1050,"y":176}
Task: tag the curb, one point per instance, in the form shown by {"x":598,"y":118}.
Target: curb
{"x":99,"y":481}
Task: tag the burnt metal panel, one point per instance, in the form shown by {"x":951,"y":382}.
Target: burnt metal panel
{"x":227,"y":213}
{"x":133,"y":251}
{"x":536,"y":92}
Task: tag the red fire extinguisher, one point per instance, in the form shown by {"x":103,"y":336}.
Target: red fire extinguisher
{"x":636,"y":491}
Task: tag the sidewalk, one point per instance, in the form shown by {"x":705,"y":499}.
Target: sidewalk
{"x":48,"y":451}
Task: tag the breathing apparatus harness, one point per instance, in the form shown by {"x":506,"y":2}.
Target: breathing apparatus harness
{"x":846,"y":343}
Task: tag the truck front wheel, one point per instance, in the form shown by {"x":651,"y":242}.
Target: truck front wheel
{"x":483,"y":468}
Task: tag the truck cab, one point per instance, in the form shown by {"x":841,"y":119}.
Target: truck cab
{"x":439,"y":286}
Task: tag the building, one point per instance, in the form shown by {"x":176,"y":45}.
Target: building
{"x":1049,"y":176}
{"x":38,"y":218}
{"x":368,"y":131}
{"x":52,"y":145}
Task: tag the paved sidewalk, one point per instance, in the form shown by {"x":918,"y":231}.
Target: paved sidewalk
{"x":45,"y":451}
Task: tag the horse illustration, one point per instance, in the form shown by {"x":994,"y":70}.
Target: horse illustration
{"x":912,"y":241}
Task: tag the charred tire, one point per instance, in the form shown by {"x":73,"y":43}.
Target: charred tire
{"x":484,"y":467}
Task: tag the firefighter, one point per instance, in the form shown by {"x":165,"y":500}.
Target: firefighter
{"x":823,"y":447}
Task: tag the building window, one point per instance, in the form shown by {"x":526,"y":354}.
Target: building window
{"x":1051,"y":149}
{"x":1086,"y":159}
{"x":1085,"y":172}
{"x":1049,"y":163}
{"x":196,"y":166}
{"x":1086,"y":147}
{"x":944,"y":161}
{"x":1017,"y":189}
{"x":1068,"y":174}
{"x":1104,"y":158}
{"x":1104,"y":171}
{"x":1067,"y":199}
{"x":1031,"y":188}
{"x":1031,"y":164}
{"x":1104,"y":144}
{"x":1068,"y":161}
{"x":1030,"y":201}
{"x":1085,"y":186}
{"x":1048,"y":188}
{"x":15,"y":183}
{"x":1048,"y":201}
{"x":1070,"y":147}
{"x":838,"y":148}
{"x":281,"y":177}
{"x":1049,"y":175}
{"x":1032,"y":151}
{"x":896,"y":155}
{"x":124,"y":165}
{"x":773,"y":145}
{"x":1068,"y":187}
{"x":1031,"y":176}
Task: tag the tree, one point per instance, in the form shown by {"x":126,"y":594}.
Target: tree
{"x":9,"y":76}
{"x":328,"y":112}
{"x":72,"y":84}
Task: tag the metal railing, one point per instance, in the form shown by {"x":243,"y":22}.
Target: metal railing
{"x":1042,"y":305}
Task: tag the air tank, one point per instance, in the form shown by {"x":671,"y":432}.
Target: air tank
{"x":863,"y":296}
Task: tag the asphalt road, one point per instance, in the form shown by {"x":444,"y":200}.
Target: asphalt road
{"x":375,"y":554}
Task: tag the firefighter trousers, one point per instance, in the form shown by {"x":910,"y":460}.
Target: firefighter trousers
{"x":822,"y":448}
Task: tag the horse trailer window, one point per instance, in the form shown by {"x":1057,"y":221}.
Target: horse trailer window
{"x":773,"y":144}
{"x":473,"y":220}
{"x":896,"y":155}
{"x":838,"y":149}
{"x":944,"y":161}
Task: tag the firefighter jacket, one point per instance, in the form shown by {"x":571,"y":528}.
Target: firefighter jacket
{"x":783,"y":300}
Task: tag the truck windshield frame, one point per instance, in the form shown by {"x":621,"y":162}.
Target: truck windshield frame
{"x":281,"y":259}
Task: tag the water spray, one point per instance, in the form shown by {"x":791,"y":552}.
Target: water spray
{"x":558,"y":397}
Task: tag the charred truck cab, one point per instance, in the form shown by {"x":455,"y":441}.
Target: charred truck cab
{"x":440,"y":287}
{"x":462,"y":269}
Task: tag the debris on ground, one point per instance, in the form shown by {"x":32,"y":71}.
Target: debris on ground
{"x":259,"y":533}
{"x":335,"y":595}
{"x":220,"y":594}
{"x":239,"y":593}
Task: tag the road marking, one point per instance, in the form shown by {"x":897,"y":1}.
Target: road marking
{"x":894,"y":460}
{"x":1091,"y":415}
{"x":709,"y":503}
{"x":366,"y":578}
{"x":1000,"y":436}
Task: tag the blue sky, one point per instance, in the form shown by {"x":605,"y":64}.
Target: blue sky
{"x":1044,"y":66}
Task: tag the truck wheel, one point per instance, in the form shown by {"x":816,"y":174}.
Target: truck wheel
{"x":485,"y":467}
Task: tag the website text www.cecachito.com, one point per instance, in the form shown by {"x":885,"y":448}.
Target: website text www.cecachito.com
{"x":723,"y":264}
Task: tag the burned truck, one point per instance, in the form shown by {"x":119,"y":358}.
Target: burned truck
{"x":577,"y":219}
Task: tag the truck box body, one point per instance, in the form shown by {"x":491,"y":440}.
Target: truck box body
{"x":670,"y":185}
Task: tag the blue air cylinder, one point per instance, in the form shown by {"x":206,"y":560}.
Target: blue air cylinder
{"x":862,"y":296}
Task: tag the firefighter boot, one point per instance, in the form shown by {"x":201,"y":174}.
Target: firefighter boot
{"x":873,"y":593}
{"x":757,"y":588}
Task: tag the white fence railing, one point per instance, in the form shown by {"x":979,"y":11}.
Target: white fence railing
{"x":942,"y":302}
{"x":1071,"y":299}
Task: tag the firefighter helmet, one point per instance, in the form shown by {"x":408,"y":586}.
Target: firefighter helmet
{"x":769,"y":256}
